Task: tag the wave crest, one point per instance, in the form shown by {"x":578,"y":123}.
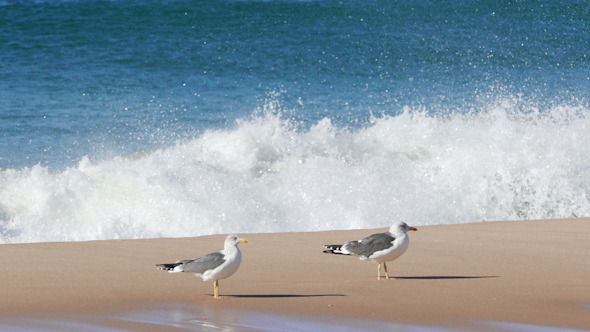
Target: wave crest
{"x":267,"y":175}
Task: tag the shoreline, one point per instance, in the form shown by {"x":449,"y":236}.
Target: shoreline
{"x":522,"y":272}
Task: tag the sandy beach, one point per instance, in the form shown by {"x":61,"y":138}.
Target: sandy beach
{"x":527,"y":272}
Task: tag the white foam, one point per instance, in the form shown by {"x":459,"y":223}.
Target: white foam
{"x":268,"y":175}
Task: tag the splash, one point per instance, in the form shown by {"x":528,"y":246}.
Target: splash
{"x":268,"y":175}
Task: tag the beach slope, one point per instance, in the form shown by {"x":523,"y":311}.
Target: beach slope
{"x":531,"y":272}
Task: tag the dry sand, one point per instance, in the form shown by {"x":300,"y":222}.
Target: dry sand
{"x":532,"y":272}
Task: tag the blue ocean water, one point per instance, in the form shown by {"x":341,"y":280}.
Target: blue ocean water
{"x":165,"y":118}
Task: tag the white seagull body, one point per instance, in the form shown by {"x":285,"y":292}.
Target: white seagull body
{"x":214,"y":266}
{"x":379,"y":248}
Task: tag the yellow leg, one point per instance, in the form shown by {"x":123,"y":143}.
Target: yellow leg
{"x":385,"y":266}
{"x":379,"y":271}
{"x":216,"y":289}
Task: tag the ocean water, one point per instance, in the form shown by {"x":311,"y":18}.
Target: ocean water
{"x":172,"y":118}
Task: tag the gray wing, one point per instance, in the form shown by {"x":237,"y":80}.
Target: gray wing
{"x":371,"y":244}
{"x":203,"y":263}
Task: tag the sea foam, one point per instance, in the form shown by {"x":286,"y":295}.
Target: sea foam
{"x":266,"y":174}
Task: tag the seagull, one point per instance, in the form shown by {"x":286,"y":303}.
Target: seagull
{"x":214,"y":266}
{"x":379,"y":248}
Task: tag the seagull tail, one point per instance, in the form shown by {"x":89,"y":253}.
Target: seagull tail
{"x":334,"y":249}
{"x":169,"y":267}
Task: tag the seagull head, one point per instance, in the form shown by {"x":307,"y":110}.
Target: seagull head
{"x":401,"y":227}
{"x":234,"y":240}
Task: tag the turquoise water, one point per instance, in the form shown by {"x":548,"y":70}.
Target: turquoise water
{"x":127,"y":119}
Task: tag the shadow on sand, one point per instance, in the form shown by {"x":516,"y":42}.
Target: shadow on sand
{"x":444,"y":277}
{"x":271,"y":296}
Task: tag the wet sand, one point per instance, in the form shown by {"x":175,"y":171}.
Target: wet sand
{"x":523,"y":272}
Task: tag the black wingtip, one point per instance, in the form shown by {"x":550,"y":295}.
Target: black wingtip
{"x":333,"y":249}
{"x":333,"y":252}
{"x":166,"y":267}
